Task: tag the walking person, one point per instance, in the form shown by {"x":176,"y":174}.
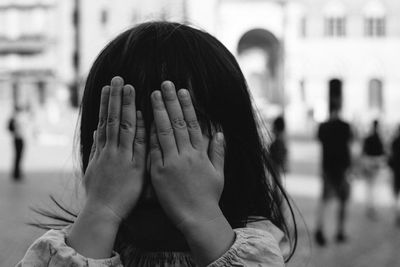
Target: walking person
{"x":394,"y":164}
{"x":16,"y":126}
{"x":278,"y":148}
{"x":373,"y":156}
{"x":335,"y":136}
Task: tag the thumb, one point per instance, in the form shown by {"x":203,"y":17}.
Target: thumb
{"x":93,"y":149}
{"x":216,"y":152}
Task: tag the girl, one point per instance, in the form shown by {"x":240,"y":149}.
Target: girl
{"x":173,"y":177}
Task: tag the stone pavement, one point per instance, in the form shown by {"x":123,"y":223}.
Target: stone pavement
{"x":372,"y":243}
{"x":49,"y":167}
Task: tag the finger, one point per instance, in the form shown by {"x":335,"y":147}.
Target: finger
{"x":139,"y":146}
{"x":103,"y":114}
{"x":114,"y":111}
{"x":155,"y":150}
{"x":175,"y":115}
{"x":195,"y":134}
{"x":217,"y":152}
{"x":93,"y":149}
{"x":164,"y":129}
{"x":127,"y":127}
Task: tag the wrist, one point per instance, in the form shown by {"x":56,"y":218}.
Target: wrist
{"x":102,"y":213}
{"x":93,"y":233}
{"x":208,"y":237}
{"x":211,"y":217}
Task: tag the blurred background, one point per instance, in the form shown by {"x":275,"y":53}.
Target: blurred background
{"x":297,"y":56}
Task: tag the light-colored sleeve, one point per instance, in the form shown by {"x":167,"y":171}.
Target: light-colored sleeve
{"x":50,"y":250}
{"x":259,"y":244}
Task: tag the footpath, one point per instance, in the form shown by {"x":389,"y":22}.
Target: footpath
{"x":49,"y":169}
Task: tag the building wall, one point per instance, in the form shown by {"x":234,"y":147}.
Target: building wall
{"x":312,"y":59}
{"x":35,"y":51}
{"x":354,"y":58}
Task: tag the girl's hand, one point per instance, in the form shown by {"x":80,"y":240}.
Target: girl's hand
{"x":187,"y":181}
{"x":115,"y":174}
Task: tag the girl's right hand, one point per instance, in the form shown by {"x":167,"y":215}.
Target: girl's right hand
{"x":115,"y":175}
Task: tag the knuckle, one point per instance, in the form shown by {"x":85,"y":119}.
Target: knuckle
{"x":127,"y":100}
{"x":193,"y":124}
{"x":156,"y":168}
{"x":102,"y":122}
{"x":154,"y":145}
{"x":185,"y":101}
{"x":170,"y":96}
{"x":112,"y":120}
{"x":140,"y":139}
{"x":178,"y":123}
{"x":108,"y":152}
{"x":115,"y":91}
{"x":126,"y":125}
{"x":165,"y":131}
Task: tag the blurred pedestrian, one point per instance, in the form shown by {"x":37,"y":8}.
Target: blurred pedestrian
{"x":373,"y":157}
{"x":335,"y":136}
{"x":394,"y":164}
{"x":17,"y":126}
{"x":278,"y":148}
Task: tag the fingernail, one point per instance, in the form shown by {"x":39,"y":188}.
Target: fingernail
{"x":220,"y":137}
{"x":183,"y":93}
{"x":168,"y":87}
{"x":139,"y":115}
{"x":157,"y":95}
{"x":117,"y":81}
{"x":127,"y":90}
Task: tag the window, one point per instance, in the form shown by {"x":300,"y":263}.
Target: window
{"x":374,"y":19}
{"x":335,"y":19}
{"x":335,"y":26}
{"x":374,"y":27}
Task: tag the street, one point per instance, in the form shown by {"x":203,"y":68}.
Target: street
{"x":371,"y":242}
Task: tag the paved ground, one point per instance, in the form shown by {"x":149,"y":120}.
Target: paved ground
{"x":372,"y":243}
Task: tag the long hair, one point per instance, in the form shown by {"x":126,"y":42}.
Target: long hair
{"x":152,"y":52}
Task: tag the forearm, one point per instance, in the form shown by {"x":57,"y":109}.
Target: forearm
{"x":209,"y":240}
{"x":93,"y":234}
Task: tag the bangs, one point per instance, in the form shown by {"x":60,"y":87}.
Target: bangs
{"x":147,"y":56}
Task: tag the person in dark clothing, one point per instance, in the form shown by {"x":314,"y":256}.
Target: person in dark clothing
{"x":278,"y":148}
{"x":335,"y":136}
{"x":394,"y":164}
{"x":16,"y":127}
{"x":373,"y":155}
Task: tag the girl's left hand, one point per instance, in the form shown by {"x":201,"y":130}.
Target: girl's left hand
{"x":187,"y":180}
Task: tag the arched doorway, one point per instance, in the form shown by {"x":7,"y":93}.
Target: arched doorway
{"x":375,"y":95}
{"x":260,"y":58}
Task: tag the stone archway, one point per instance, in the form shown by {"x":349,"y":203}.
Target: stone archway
{"x":259,"y":53}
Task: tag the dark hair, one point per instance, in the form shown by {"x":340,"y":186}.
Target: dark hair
{"x":152,"y":52}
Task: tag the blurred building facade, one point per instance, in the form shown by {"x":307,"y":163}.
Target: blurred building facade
{"x":35,"y":55}
{"x":295,"y":54}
